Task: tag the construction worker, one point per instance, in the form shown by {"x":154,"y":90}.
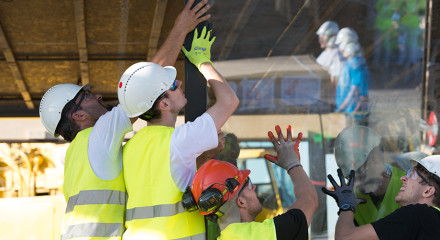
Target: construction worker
{"x":225,"y":194}
{"x":93,"y":181}
{"x":378,"y":182}
{"x":352,"y":88}
{"x":378,"y":172}
{"x":419,"y":196}
{"x":330,"y":59}
{"x":160,"y":160}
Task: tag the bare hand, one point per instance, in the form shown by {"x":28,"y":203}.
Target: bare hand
{"x":189,"y":18}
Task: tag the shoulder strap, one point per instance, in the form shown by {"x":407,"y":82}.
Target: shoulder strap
{"x":436,"y":208}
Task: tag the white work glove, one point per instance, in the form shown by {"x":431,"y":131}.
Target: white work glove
{"x":288,"y":156}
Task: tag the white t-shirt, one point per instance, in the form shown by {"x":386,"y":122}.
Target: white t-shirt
{"x":105,"y":143}
{"x":188,"y":141}
{"x":331,"y":60}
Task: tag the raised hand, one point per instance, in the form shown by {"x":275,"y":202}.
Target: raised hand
{"x":288,"y":155}
{"x":344,"y":194}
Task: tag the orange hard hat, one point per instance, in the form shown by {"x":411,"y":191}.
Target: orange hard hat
{"x":216,"y":177}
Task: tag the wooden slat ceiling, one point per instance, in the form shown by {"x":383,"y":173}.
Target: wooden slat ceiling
{"x":49,"y":42}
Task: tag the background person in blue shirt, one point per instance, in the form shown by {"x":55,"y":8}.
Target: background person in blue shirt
{"x":352,"y":88}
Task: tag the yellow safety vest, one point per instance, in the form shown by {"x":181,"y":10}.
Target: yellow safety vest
{"x":250,"y":230}
{"x":368,"y":212}
{"x":154,"y":208}
{"x":95,"y":207}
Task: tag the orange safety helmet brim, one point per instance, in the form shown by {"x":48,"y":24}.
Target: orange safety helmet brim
{"x":215,"y":173}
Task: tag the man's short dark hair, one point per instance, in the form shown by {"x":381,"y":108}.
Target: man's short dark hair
{"x":67,"y":127}
{"x":433,"y":181}
{"x":153,"y":113}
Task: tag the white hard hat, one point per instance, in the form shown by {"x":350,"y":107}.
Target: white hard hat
{"x":53,"y":102}
{"x":346,"y":35}
{"x":431,"y":164}
{"x":350,"y":50}
{"x":328,"y":28}
{"x":141,"y":84}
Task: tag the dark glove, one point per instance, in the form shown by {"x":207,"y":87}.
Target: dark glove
{"x":344,"y":194}
{"x":288,"y":155}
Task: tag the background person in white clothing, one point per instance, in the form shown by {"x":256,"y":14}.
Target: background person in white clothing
{"x":330,"y":58}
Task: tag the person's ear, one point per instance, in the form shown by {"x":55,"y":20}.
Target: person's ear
{"x":79,"y":115}
{"x":241,"y":202}
{"x":164,"y":104}
{"x":429,"y":191}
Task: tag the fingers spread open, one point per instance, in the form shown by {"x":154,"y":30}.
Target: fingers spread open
{"x":271,"y":158}
{"x":189,"y":4}
{"x":273,"y":140}
{"x":351,"y":178}
{"x":332,"y":180}
{"x":203,"y":9}
{"x":198,"y":6}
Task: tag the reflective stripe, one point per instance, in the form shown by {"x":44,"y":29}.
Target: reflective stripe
{"x":164,"y":210}
{"x":436,"y":208}
{"x":94,"y":230}
{"x":200,"y":236}
{"x":96,"y":197}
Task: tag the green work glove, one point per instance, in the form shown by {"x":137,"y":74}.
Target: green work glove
{"x":288,"y":156}
{"x":200,"y":51}
{"x":344,"y":194}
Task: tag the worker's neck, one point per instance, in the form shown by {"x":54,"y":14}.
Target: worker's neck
{"x":85,"y":124}
{"x":246,"y":218}
{"x":427,"y":201}
{"x":231,"y":214}
{"x":167,"y":119}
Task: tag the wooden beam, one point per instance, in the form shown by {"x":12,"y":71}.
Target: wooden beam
{"x":245,"y":13}
{"x":13,"y":66}
{"x":159,"y":15}
{"x":81,"y":38}
{"x":123,"y":28}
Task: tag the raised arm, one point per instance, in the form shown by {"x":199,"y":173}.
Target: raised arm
{"x":226,"y":100}
{"x":200,"y":56}
{"x":187,"y":20}
{"x":345,"y":229}
{"x":288,"y":157}
{"x":347,"y":203}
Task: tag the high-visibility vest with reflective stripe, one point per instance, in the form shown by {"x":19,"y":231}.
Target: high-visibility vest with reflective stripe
{"x":368,"y":212}
{"x":250,"y":230}
{"x":95,"y":207}
{"x":154,"y":208}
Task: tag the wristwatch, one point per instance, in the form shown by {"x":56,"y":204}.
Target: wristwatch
{"x":346,"y":207}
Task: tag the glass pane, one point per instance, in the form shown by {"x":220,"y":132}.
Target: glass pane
{"x":352,"y":86}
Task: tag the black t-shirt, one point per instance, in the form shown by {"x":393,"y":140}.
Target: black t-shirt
{"x":291,"y":225}
{"x":417,"y":221}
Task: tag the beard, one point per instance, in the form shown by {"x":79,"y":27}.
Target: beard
{"x":96,"y":111}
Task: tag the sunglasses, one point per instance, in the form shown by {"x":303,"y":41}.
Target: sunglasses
{"x":172,"y":88}
{"x":247,"y":183}
{"x":87,"y":95}
{"x":413,"y":173}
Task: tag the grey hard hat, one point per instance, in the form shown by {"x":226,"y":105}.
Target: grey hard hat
{"x":403,"y":160}
{"x":352,"y":146}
